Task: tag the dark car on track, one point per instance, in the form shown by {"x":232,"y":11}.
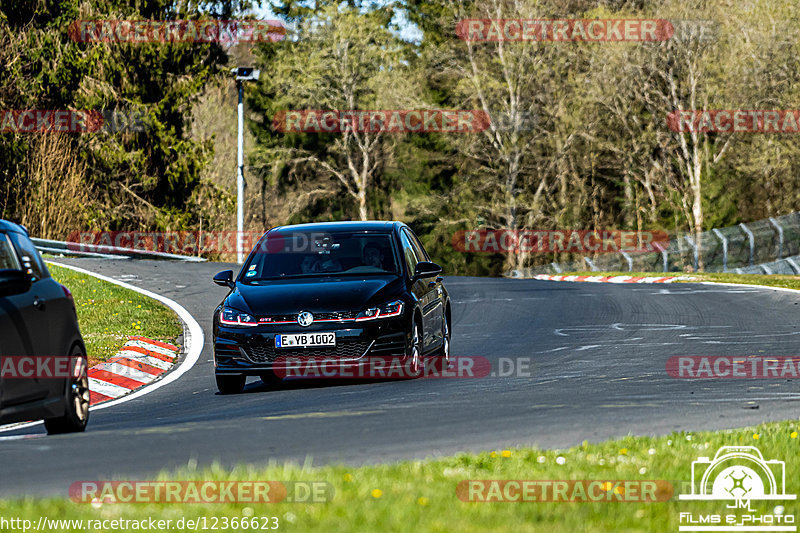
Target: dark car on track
{"x":43,"y":367}
{"x":343,"y":290}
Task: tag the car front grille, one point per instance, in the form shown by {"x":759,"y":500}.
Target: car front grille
{"x":337,"y":315}
{"x":342,"y":315}
{"x":261,"y":354}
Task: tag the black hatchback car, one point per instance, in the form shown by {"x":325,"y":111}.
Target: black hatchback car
{"x":43,"y":367}
{"x":349,"y":291}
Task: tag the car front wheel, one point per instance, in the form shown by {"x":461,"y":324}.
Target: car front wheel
{"x":444,"y":351}
{"x":413,"y":364}
{"x":271,"y":378}
{"x":76,"y":399}
{"x":230,"y":384}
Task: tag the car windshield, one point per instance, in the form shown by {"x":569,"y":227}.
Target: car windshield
{"x":311,"y":254}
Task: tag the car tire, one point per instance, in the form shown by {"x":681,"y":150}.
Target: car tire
{"x":230,"y":383}
{"x":414,"y":362}
{"x":443,"y":353}
{"x":270,"y":378}
{"x":76,"y":398}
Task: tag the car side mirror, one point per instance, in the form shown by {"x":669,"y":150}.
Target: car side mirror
{"x":225,"y":279}
{"x":14,"y":282}
{"x":426,"y":269}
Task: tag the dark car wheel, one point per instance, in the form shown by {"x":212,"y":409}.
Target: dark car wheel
{"x":413,"y":363}
{"x":233,"y":384}
{"x":270,"y":378}
{"x":76,"y":399}
{"x":444,"y":352}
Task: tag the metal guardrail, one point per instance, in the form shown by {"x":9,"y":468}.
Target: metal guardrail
{"x":764,"y":246}
{"x":106,"y":252}
{"x":787,"y":265}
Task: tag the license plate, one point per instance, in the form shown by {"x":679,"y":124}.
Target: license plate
{"x":305,"y":340}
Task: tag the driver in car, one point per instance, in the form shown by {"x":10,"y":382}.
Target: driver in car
{"x":372,"y":256}
{"x":315,"y":264}
{"x":308,"y":264}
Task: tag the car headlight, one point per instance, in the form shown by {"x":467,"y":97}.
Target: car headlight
{"x":232,"y":317}
{"x":384,"y":311}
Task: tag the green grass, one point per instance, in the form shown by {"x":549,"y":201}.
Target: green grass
{"x":421,"y":495}
{"x":109,"y":314}
{"x":776,"y":280}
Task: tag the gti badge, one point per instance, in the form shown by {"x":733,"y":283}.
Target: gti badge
{"x":305,"y":318}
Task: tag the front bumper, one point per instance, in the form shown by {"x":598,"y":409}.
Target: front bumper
{"x":252,"y":351}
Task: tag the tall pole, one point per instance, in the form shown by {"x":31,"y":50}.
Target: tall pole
{"x":240,"y":179}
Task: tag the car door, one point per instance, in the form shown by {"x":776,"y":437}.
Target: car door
{"x":17,"y":337}
{"x":420,"y":288}
{"x":435,"y":292}
{"x":45,"y":311}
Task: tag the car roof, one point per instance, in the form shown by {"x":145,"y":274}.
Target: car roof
{"x":6,"y":226}
{"x":375,"y":226}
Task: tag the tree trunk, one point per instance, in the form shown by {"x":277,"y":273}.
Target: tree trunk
{"x":362,"y":204}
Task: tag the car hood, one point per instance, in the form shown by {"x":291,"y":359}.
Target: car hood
{"x":329,"y":294}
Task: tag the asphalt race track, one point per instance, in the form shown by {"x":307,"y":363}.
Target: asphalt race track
{"x":597,"y":352}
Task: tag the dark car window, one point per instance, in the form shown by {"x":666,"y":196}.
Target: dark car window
{"x":8,"y":259}
{"x":409,"y":253}
{"x":30,"y":257}
{"x":418,"y":248}
{"x":310,"y":254}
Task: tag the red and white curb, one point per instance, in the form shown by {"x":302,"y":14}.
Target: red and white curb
{"x":140,"y":361}
{"x":612,"y":279}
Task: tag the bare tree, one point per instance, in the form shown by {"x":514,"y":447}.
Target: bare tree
{"x":510,"y":83}
{"x":343,"y":60}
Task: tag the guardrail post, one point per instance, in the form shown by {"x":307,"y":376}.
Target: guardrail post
{"x":779,"y":229}
{"x":629,"y":260}
{"x":694,"y":251}
{"x":752,"y":242}
{"x":591,"y":265}
{"x":664,"y":258}
{"x":724,"y":240}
